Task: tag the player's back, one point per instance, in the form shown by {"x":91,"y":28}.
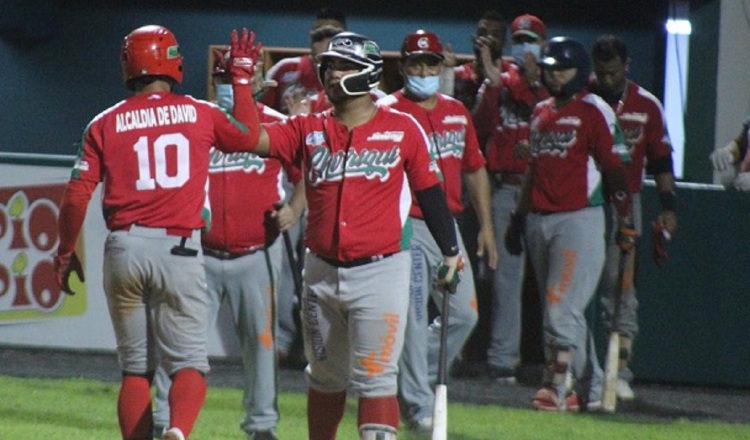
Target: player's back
{"x":153,"y":152}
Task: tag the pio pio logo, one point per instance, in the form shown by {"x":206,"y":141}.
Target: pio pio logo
{"x":28,"y":241}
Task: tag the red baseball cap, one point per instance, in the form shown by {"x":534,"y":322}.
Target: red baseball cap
{"x":422,"y":42}
{"x":530,"y":25}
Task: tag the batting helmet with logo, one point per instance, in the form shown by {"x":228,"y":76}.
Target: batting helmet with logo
{"x":359,"y":50}
{"x":151,"y":51}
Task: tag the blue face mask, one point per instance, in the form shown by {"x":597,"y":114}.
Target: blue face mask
{"x":517,"y":51}
{"x":422,"y":87}
{"x":225,"y":96}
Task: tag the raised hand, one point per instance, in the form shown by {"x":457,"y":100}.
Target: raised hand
{"x":243,"y":56}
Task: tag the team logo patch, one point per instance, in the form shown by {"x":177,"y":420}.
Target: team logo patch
{"x":173,"y":52}
{"x":81,"y":165}
{"x":315,"y":139}
{"x":455,"y":119}
{"x":569,"y":120}
{"x":423,"y":43}
{"x":640,"y":118}
{"x":395,"y":136}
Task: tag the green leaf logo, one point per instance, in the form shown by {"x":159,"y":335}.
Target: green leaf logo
{"x":18,"y":204}
{"x":20,"y":263}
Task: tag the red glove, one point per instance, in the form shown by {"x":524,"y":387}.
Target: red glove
{"x":659,"y":240}
{"x":65,"y":265}
{"x":243,"y":55}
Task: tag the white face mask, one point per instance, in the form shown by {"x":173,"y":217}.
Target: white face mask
{"x":225,"y":96}
{"x":421,"y":87}
{"x":517,"y":51}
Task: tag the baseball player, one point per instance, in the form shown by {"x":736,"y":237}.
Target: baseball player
{"x":243,"y":256}
{"x":641,"y":118}
{"x":360,"y":162}
{"x":454,"y":146}
{"x":502,"y":115}
{"x":560,"y":215}
{"x":463,"y":82}
{"x":299,"y":74}
{"x":152,"y":153}
{"x":726,"y":157}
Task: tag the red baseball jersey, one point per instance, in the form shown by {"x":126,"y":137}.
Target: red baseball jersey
{"x":357,"y":182}
{"x":641,"y":118}
{"x":290,"y":73}
{"x":503,"y":117}
{"x":467,"y":82}
{"x":570,"y":147}
{"x":152,"y":151}
{"x":453,"y":142}
{"x":243,"y":188}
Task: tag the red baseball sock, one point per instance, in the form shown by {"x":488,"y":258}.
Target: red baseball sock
{"x":324,"y":413}
{"x":186,"y":398}
{"x":134,"y":408}
{"x":378,"y":411}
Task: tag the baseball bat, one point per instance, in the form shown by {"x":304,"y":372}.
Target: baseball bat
{"x":440,"y":409}
{"x":609,"y":390}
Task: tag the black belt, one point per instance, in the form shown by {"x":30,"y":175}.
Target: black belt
{"x":226,"y":255}
{"x":354,"y":263}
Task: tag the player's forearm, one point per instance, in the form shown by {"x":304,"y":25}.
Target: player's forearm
{"x":298,"y":202}
{"x":438,"y":218}
{"x":245,"y":111}
{"x":478,"y":186}
{"x":72,"y":214}
{"x":619,"y":194}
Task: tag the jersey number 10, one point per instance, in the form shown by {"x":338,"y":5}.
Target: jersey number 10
{"x":146,"y":178}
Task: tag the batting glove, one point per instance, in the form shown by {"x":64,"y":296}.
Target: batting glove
{"x":724,"y":157}
{"x":626,"y":235}
{"x":742,"y":182}
{"x":514,"y":234}
{"x":243,"y":56}
{"x":65,"y":265}
{"x":449,"y":272}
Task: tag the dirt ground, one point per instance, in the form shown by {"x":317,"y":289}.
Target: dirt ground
{"x":653,"y":401}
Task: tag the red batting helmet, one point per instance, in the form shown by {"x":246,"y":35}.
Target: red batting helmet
{"x":422,"y":42}
{"x":530,"y":25}
{"x":151,"y":50}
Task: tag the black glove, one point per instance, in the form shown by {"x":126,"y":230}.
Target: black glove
{"x":65,"y":266}
{"x":450,"y":272}
{"x":514,"y":234}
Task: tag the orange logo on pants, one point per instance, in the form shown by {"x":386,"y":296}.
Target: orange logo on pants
{"x":568,"y":270}
{"x":375,"y":363}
